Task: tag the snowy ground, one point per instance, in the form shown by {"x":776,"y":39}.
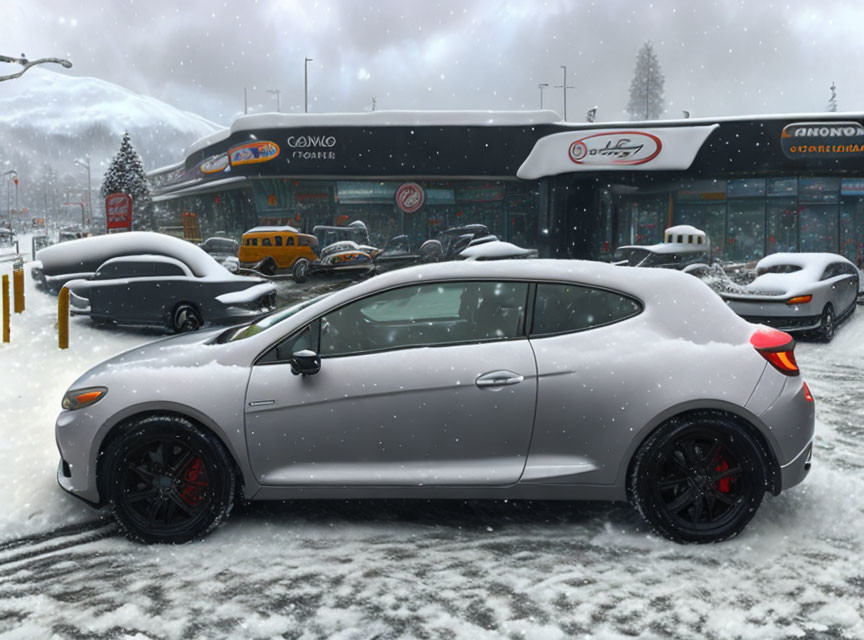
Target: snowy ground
{"x":427,"y":569}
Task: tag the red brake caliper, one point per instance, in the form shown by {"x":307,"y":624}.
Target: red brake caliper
{"x":195,"y":482}
{"x":723,"y":485}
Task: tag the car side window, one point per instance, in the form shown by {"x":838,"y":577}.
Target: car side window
{"x":305,"y":338}
{"x":277,"y":240}
{"x":565,"y":308}
{"x":431,"y":314}
{"x":289,"y":241}
{"x":125,"y":270}
{"x":265,"y":242}
{"x":168,"y":269}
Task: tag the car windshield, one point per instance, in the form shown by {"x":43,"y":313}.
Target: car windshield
{"x":249,"y":330}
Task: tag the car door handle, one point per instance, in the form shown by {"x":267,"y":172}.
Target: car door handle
{"x":501,"y":378}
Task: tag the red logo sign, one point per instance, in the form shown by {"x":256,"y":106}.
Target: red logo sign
{"x":118,"y":211}
{"x":621,"y":147}
{"x":410,"y":197}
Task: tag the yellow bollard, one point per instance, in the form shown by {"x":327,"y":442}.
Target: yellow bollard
{"x":5,"y":307}
{"x":63,"y":318}
{"x":18,"y":289}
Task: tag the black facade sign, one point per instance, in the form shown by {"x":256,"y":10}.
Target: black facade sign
{"x":833,"y":139}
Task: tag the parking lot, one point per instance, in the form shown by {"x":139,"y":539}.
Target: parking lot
{"x":430,"y":569}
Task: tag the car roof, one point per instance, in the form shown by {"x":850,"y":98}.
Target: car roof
{"x":285,"y":229}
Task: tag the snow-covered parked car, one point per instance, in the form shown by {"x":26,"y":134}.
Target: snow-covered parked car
{"x":683,"y":247}
{"x":797,"y":292}
{"x":180,"y":288}
{"x":539,"y":379}
{"x":79,"y":258}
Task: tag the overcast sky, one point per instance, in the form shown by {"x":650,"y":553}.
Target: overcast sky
{"x":719,"y":58}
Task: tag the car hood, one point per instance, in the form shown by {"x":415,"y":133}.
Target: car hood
{"x":187,"y":350}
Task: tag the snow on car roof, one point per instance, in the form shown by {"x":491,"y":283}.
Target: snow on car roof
{"x":495,"y":249}
{"x":811,"y":267}
{"x":284,"y":229}
{"x":815,"y":262}
{"x":669,"y":247}
{"x":59,"y":257}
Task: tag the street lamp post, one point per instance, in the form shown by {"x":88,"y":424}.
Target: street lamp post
{"x":306,"y":62}
{"x":541,"y":87}
{"x":9,"y":194}
{"x":564,"y":86}
{"x":276,"y":93}
{"x":86,"y":165}
{"x":24,"y":62}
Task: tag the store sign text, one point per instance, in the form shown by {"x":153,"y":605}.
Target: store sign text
{"x":618,"y":148}
{"x":312,"y":147}
{"x":823,"y":140}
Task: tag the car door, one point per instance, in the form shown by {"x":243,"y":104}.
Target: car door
{"x":431,"y":384}
{"x":585,"y":390}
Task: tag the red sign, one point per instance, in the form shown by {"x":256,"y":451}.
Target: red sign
{"x":410,"y":197}
{"x":616,"y":148}
{"x":118,"y":211}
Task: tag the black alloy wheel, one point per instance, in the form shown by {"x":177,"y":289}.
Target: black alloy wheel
{"x":699,"y":478}
{"x":186,"y":318}
{"x":828,"y":325}
{"x":168,"y":481}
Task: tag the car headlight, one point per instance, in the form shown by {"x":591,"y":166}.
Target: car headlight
{"x":83,"y":397}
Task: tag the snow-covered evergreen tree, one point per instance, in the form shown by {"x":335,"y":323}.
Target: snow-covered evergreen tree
{"x":832,"y":101}
{"x":126,"y":175}
{"x":646,"y":89}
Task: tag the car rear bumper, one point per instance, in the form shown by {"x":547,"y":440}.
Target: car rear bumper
{"x":794,"y":472}
{"x":787,"y":323}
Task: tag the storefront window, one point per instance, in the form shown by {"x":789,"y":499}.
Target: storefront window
{"x":852,"y":230}
{"x":746,"y":230}
{"x":782,"y":225}
{"x":818,"y":227}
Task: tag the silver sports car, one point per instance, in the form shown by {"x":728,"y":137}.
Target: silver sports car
{"x":543,"y":379}
{"x":812,"y":292}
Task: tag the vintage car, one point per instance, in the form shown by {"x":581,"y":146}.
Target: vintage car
{"x":269,"y":249}
{"x":162,"y":291}
{"x":80,"y":258}
{"x":682,"y":247}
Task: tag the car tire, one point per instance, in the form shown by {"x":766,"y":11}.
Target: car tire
{"x":827,"y":326}
{"x":699,"y":478}
{"x":168,"y":481}
{"x":300,"y":270}
{"x":268,"y":267}
{"x":186,"y":317}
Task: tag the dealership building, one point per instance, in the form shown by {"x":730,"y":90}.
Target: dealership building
{"x":755,"y":185}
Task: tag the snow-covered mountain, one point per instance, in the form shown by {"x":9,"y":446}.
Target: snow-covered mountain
{"x":53,"y":118}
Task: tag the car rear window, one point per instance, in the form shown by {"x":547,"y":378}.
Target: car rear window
{"x":778,"y":268}
{"x":564,"y":308}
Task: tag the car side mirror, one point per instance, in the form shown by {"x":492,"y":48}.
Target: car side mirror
{"x":305,"y":362}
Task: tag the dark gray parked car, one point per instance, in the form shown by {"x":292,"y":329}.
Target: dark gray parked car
{"x":163,"y":291}
{"x":544,"y":379}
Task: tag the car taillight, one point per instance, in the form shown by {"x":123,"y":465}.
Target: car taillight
{"x":800,"y":299}
{"x":778,"y":348}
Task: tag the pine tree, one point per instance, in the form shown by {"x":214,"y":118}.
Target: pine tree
{"x":126,"y":175}
{"x":832,"y":101}
{"x":646,"y":89}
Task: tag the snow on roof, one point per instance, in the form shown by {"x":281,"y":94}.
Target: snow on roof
{"x":669,"y":247}
{"x":60,"y":258}
{"x":265,"y":229}
{"x":377,"y":119}
{"x":807,"y":261}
